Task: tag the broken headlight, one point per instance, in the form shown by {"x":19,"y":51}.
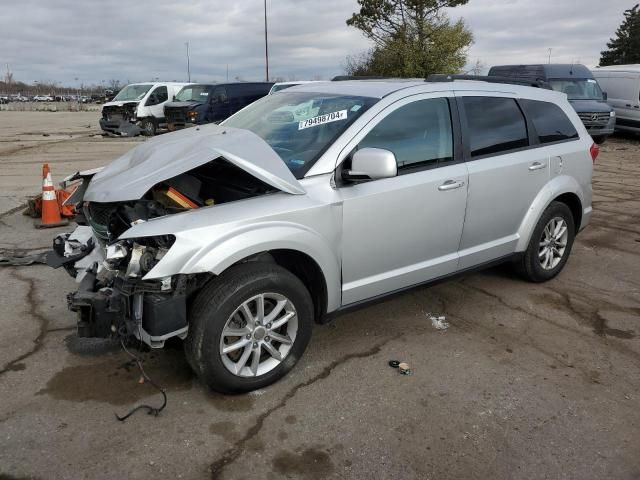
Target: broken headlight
{"x":137,"y":257}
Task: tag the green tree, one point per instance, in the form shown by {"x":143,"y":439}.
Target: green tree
{"x":411,"y":38}
{"x":624,"y":49}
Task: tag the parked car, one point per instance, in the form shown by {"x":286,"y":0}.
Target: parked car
{"x":582,"y":89}
{"x":42,"y":98}
{"x":138,"y":108}
{"x":237,"y":237}
{"x":622,"y":84}
{"x":4,"y":99}
{"x":206,"y":103}
{"x":284,"y":85}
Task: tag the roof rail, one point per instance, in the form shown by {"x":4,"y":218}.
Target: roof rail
{"x":527,"y":82}
{"x":341,"y":78}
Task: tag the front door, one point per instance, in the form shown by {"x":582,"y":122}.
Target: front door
{"x":401,"y":231}
{"x":156,"y":100}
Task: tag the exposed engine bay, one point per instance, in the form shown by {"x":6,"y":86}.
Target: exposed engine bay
{"x":113,"y":298}
{"x":120,"y":119}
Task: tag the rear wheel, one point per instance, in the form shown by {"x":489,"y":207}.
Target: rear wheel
{"x":249,"y":327}
{"x":550,"y":244}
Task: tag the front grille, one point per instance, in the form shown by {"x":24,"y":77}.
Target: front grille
{"x":595,"y":119}
{"x":98,"y":216}
{"x":176,"y":115}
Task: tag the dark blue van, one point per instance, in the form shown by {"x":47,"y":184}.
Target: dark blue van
{"x":581,"y":88}
{"x":197,"y":104}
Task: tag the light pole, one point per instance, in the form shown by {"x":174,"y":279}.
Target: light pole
{"x":266,"y":43}
{"x":188,"y":63}
{"x":550,"y":54}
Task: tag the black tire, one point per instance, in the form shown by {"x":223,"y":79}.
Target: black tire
{"x":600,"y":139}
{"x":148,"y":126}
{"x":529,"y":265}
{"x":217,"y":301}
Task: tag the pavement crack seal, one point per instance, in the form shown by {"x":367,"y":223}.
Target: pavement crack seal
{"x":234,"y":452}
{"x":13,"y":210}
{"x":38,"y":342}
{"x":22,"y":148}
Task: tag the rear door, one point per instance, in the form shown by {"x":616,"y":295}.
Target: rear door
{"x":505,"y":174}
{"x":405,"y":230}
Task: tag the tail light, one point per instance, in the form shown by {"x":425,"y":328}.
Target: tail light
{"x":594,"y":151}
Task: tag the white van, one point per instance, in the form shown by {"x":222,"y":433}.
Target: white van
{"x":138,"y":108}
{"x":622,"y":84}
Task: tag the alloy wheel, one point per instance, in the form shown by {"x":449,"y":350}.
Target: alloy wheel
{"x":553,"y":243}
{"x":258,"y":335}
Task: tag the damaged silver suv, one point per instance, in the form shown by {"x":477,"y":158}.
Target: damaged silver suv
{"x":237,"y":237}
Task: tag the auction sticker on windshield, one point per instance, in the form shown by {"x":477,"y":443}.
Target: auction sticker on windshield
{"x":322,"y":119}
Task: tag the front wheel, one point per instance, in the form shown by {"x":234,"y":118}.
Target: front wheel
{"x":249,"y":327}
{"x":148,"y":127}
{"x":550,"y":244}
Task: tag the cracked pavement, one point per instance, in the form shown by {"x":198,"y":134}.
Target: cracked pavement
{"x":529,"y":381}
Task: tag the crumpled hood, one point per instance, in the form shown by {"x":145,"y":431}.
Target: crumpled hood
{"x":132,"y":175}
{"x":119,"y":103}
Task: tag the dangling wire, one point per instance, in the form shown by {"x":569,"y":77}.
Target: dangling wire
{"x":150,"y":410}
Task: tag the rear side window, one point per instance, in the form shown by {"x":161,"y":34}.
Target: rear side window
{"x":419,"y":133}
{"x":550,"y":122}
{"x":495,"y":125}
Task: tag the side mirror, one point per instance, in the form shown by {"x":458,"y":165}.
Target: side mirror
{"x":605,"y":96}
{"x":371,"y":164}
{"x":173,"y":99}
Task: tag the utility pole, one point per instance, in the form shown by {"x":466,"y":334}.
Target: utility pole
{"x":188,"y":63}
{"x":227,"y":72}
{"x":266,"y":43}
{"x":550,"y":54}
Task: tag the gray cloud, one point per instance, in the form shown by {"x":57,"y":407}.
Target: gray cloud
{"x":94,"y":40}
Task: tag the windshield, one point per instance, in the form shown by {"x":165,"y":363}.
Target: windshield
{"x":193,"y":93}
{"x":582,"y":89}
{"x":132,"y":92}
{"x":300,"y":126}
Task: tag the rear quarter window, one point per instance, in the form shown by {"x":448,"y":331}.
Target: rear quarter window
{"x":550,"y":122}
{"x":495,"y":125}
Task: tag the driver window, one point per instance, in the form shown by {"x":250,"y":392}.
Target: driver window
{"x":159,"y":95}
{"x":419,"y":134}
{"x":219,"y":95}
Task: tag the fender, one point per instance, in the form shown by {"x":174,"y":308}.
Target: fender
{"x":552,"y":190}
{"x":235,"y":245}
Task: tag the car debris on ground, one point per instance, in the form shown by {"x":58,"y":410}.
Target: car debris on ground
{"x":438,"y":321}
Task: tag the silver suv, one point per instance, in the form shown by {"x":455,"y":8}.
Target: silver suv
{"x":237,"y":237}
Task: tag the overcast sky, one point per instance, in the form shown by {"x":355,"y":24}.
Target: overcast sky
{"x":97,"y":40}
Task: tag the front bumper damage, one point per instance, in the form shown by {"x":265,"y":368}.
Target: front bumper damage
{"x":119,"y":126}
{"x":109,"y":305}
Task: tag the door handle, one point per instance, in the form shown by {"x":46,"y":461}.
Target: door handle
{"x":450,"y":185}
{"x":537,"y":166}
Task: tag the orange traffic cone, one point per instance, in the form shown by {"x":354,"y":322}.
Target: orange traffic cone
{"x":50,"y":210}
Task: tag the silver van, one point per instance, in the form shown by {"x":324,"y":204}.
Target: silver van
{"x":622,"y":83}
{"x":238,"y":237}
{"x":581,"y":88}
